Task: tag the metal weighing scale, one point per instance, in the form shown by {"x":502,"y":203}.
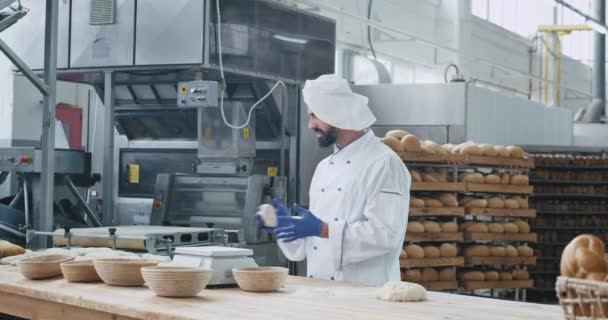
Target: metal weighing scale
{"x":221,"y":259}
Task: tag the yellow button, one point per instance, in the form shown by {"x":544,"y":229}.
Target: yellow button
{"x":246,"y":133}
{"x":272,"y":171}
{"x":133,"y":174}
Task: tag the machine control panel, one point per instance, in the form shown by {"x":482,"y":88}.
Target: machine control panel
{"x":16,"y":159}
{"x":198,"y":94}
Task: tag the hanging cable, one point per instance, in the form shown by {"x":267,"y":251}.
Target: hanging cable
{"x":369,"y":29}
{"x":224,"y":86}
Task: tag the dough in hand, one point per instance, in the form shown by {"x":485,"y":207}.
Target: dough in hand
{"x":268,"y":214}
{"x":397,"y":291}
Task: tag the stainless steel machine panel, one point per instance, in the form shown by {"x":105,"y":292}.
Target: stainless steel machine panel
{"x":30,"y":160}
{"x":169,"y":31}
{"x":102,"y":45}
{"x":216,"y":140}
{"x":31,"y":47}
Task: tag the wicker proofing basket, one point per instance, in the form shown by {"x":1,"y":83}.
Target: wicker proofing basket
{"x":79,"y":271}
{"x":262,"y":279}
{"x":582,"y":299}
{"x":173,"y":281}
{"x":122,"y":272}
{"x":43,"y":267}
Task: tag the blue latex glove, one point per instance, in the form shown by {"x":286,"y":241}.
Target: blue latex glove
{"x":281,"y":211}
{"x":293,"y":228}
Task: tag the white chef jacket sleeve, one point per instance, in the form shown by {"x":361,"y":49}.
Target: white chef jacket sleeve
{"x":295,"y":250}
{"x":386,"y":213}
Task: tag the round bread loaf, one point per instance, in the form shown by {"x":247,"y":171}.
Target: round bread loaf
{"x":506,"y":276}
{"x":523,"y":226}
{"x":597,"y":276}
{"x":511,"y":251}
{"x":431,"y":252}
{"x":448,"y":200}
{"x":414,"y":251}
{"x":472,"y":276}
{"x":491,"y":275}
{"x":440,"y":175}
{"x":412,"y":275}
{"x":525,"y":251}
{"x":520,"y":180}
{"x":582,"y":256}
{"x":510,"y":227}
{"x":403,"y":255}
{"x":465,"y":200}
{"x":471,"y":149}
{"x":429,"y":177}
{"x":432,"y":203}
{"x":497,"y":251}
{"x":398,"y":134}
{"x":416,"y":203}
{"x":516,"y":152}
{"x":447,"y":147}
{"x":477,"y":203}
{"x":523,"y":203}
{"x":494,"y":227}
{"x":430,"y":274}
{"x":492,"y":179}
{"x":474,"y":177}
{"x":448,"y":250}
{"x":519,"y":274}
{"x":477,"y":250}
{"x":410,"y":143}
{"x":511,"y":204}
{"x":431,"y":226}
{"x":496,"y":203}
{"x":416,"y":176}
{"x":431,"y":147}
{"x":463,"y":226}
{"x":392,"y":143}
{"x":446,"y":274}
{"x":415,"y":226}
{"x":488,"y":150}
{"x":449,"y":227}
{"x":505,"y":178}
{"x":479,"y":227}
{"x":502,"y":151}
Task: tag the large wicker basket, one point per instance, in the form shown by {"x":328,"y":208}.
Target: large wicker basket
{"x":582,"y":299}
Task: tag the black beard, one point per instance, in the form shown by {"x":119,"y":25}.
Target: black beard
{"x":328,"y":138}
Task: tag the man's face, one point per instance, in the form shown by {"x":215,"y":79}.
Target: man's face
{"x":326,"y":134}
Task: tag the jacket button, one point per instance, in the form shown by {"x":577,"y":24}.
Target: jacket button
{"x":332,"y":278}
{"x":339,"y":189}
{"x":348,"y":162}
{"x":315,"y":247}
{"x":310,"y":276}
{"x":335,"y":219}
{"x":331,"y":163}
{"x":322,"y":190}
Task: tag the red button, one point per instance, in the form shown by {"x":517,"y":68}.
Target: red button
{"x":157,"y":204}
{"x":25,"y":159}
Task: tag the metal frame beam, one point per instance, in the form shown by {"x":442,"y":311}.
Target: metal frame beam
{"x":108,"y":163}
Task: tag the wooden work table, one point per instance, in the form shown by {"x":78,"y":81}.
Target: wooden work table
{"x":299,"y":299}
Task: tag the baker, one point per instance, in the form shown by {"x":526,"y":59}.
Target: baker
{"x":359,"y":195}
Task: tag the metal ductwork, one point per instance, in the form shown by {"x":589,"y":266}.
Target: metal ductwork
{"x":593,"y":113}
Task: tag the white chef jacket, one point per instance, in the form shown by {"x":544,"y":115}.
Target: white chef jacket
{"x":362,"y":192}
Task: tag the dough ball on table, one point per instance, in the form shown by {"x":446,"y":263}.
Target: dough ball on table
{"x":448,"y":200}
{"x":416,"y":177}
{"x":511,"y":251}
{"x":472,"y":276}
{"x":477,"y":203}
{"x":488,"y":150}
{"x":506,"y":276}
{"x":511,"y":204}
{"x":431,"y":226}
{"x":401,"y":292}
{"x":430,"y":274}
{"x":8,"y":249}
{"x":416,"y":202}
{"x":448,"y":250}
{"x":510,"y":227}
{"x":432,"y":203}
{"x":525,"y":251}
{"x":479,"y":227}
{"x":519,"y":274}
{"x":477,"y":250}
{"x":494,"y":227}
{"x":397,"y":134}
{"x":393,"y":143}
{"x":412,"y":275}
{"x":411,"y":143}
{"x":431,"y":252}
{"x":415,"y":226}
{"x":447,"y":274}
{"x":492,"y":179}
{"x":582,"y":256}
{"x":516,"y":152}
{"x":449,"y":227}
{"x":496,"y":203}
{"x":502,"y":151}
{"x":505,"y":179}
{"x":491,"y":275}
{"x":523,"y":226}
{"x":497,"y":251}
{"x":268,"y":214}
{"x":414,"y":251}
{"x":520,"y":180}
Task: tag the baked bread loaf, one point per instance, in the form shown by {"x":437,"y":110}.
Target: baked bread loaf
{"x":448,"y":200}
{"x":491,"y":275}
{"x":431,"y":226}
{"x":477,"y":250}
{"x":472,"y":177}
{"x":463,"y":226}
{"x":494,"y":227}
{"x":403,"y":255}
{"x":416,"y":203}
{"x":429,"y":177}
{"x":488,"y":150}
{"x":497,"y":251}
{"x":8,"y":249}
{"x":410,"y":143}
{"x":431,"y":147}
{"x":441,"y":175}
{"x":597,"y":276}
{"x":470,"y":149}
{"x":430,"y":274}
{"x":449,"y":227}
{"x":502,"y":151}
{"x":582,"y":256}
{"x":447,"y":147}
{"x":492,"y":179}
{"x":398,"y":134}
{"x":511,"y":251}
{"x":465,"y":200}
{"x":516,"y":152}
{"x":506,"y":276}
{"x":416,"y":176}
{"x":477,"y":203}
{"x":392,"y":143}
{"x":525,"y":251}
{"x":519,"y":274}
{"x":432,"y":203}
{"x":523,"y":226}
{"x":472,"y":276}
{"x":496,"y":203}
{"x":414,"y":251}
{"x":479,"y":227}
{"x":505,"y":178}
{"x":431,"y":252}
{"x":448,"y":250}
{"x":511,"y":204}
{"x":412,"y":275}
{"x":523,"y":203}
{"x":510,"y":227}
{"x":447,"y":274}
{"x":415,"y":226}
{"x":520,"y":180}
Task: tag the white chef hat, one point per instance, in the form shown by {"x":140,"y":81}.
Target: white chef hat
{"x":329,"y":97}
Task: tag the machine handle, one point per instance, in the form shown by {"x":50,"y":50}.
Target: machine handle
{"x":112,"y":231}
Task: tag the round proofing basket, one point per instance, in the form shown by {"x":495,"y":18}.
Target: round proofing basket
{"x":79,"y":271}
{"x":582,"y":298}
{"x":173,"y":281}
{"x":43,"y":267}
{"x":121,"y":272}
{"x":261,"y":279}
